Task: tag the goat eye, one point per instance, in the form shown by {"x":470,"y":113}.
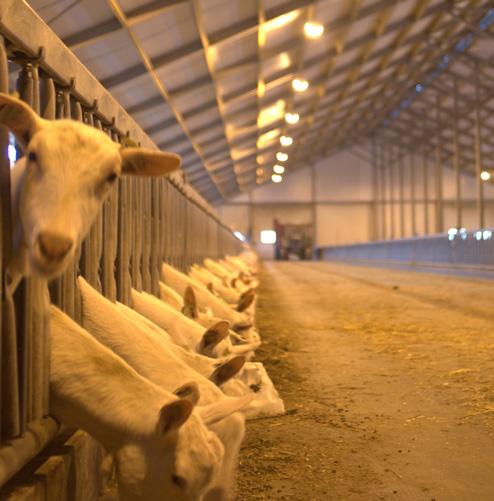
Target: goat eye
{"x":179,"y":481}
{"x":111,"y":177}
{"x":32,"y":157}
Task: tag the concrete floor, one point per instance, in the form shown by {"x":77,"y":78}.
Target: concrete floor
{"x":388,"y":377}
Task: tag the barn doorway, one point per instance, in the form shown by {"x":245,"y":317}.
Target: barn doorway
{"x":293,"y":242}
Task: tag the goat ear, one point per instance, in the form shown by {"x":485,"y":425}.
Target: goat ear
{"x":190,"y":303}
{"x":227,"y":370}
{"x":213,"y":413}
{"x":174,"y":415}
{"x":214,"y":335}
{"x":246,"y":300}
{"x":19,"y":118}
{"x":189,"y":391}
{"x":143,"y":162}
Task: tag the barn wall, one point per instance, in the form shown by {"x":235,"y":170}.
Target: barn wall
{"x":337,"y":195}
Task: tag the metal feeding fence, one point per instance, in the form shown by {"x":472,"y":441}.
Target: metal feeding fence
{"x":143,"y":223}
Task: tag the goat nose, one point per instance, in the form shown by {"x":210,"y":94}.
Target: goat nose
{"x":54,"y":247}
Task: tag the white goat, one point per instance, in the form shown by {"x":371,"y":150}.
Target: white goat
{"x":61,"y":183}
{"x":212,"y":342}
{"x":252,"y":379}
{"x":205,"y":299}
{"x":236,"y":299}
{"x":153,"y":358}
{"x":161,"y":447}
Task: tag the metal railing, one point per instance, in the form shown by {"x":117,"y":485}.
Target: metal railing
{"x":457,"y":248}
{"x":143,"y":223}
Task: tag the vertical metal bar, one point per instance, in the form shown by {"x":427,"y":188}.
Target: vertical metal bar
{"x":156,"y":247}
{"x":382,"y":168}
{"x":67,"y":281}
{"x":9,"y":393}
{"x":145,"y":217}
{"x":401,"y":192}
{"x":77,"y":114}
{"x":413,"y":194}
{"x":313,"y":193}
{"x":478,"y":153}
{"x":24,"y":297}
{"x":439,"y":215}
{"x":48,"y":104}
{"x":391,"y":194}
{"x":425,"y":181}
{"x":456,"y":159}
{"x":375,"y":194}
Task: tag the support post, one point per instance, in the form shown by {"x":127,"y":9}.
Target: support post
{"x":439,"y":218}
{"x":401,"y":192}
{"x":425,"y":180}
{"x":391,"y":194}
{"x":478,"y":153}
{"x":313,"y":205}
{"x":456,"y":160}
{"x":412,"y":194}
{"x":382,"y":167}
{"x":375,"y":191}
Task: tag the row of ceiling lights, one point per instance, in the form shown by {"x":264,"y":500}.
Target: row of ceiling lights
{"x":312,"y":30}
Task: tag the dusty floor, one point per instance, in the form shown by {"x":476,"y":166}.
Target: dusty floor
{"x":388,"y":377}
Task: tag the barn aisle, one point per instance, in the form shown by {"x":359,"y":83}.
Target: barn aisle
{"x":388,"y":377}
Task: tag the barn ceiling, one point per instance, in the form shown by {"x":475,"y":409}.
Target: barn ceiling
{"x":213,"y":79}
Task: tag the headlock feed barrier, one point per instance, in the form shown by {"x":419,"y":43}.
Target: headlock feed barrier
{"x":144,"y":222}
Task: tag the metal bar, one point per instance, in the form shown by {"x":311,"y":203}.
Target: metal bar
{"x":425,"y":181}
{"x":439,"y":213}
{"x":478,"y":154}
{"x":401,"y":194}
{"x":456,"y":160}
{"x":382,"y":168}
{"x":391,"y":196}
{"x":412,"y":195}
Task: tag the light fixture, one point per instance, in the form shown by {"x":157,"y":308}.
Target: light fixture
{"x":485,"y":175}
{"x":282,"y":157}
{"x":313,"y":30}
{"x":292,"y":118}
{"x":259,"y":171}
{"x":300,"y":84}
{"x":276,"y":178}
{"x":286,"y":141}
{"x":271,"y":114}
{"x":268,"y":237}
{"x":278,"y":169}
{"x":240,"y":236}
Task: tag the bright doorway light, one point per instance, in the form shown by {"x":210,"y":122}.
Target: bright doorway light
{"x":300,"y":84}
{"x":268,"y":237}
{"x":276,"y":178}
{"x":278,"y":169}
{"x":313,"y":29}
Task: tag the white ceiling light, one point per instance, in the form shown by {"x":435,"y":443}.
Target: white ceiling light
{"x":300,"y":84}
{"x":313,"y":30}
{"x":292,"y":118}
{"x":278,"y":169}
{"x":282,"y":157}
{"x":286,"y":141}
{"x":485,"y":175}
{"x":276,"y":178}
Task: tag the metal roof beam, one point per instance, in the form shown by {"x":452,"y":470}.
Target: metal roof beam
{"x":134,"y":16}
